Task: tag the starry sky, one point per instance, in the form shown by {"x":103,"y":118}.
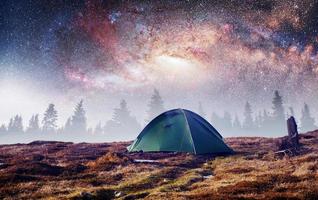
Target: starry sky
{"x":221,"y":53}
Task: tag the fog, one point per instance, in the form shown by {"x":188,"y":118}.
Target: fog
{"x":121,"y":117}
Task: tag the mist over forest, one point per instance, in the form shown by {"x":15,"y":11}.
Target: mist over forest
{"x":124,"y":126}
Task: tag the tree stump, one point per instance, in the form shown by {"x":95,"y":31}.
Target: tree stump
{"x":293,"y":132}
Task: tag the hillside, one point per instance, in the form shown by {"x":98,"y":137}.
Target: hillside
{"x":59,"y":170}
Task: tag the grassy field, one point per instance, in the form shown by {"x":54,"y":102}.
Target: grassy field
{"x":57,"y":170}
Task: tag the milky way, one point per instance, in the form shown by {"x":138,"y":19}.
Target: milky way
{"x":220,"y":52}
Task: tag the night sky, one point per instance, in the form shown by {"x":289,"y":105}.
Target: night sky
{"x":221,"y":53}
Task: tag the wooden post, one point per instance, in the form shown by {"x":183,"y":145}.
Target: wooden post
{"x":293,"y":132}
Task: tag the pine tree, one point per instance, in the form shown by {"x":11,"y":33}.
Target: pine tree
{"x":11,"y":125}
{"x":266,"y":123}
{"x":266,"y":117}
{"x":3,"y":129}
{"x":248,"y":119}
{"x":90,"y":131}
{"x":15,"y":125}
{"x":278,"y":109}
{"x":98,"y":129}
{"x":68,"y":125}
{"x":306,"y":120}
{"x":19,"y":124}
{"x":34,"y":126}
{"x":50,"y":119}
{"x":227,"y":121}
{"x":236,"y":124}
{"x":259,"y":120}
{"x":278,"y":113}
{"x":78,"y":121}
{"x":121,"y":114}
{"x":155,"y":106}
{"x":217,"y":122}
{"x":123,"y":126}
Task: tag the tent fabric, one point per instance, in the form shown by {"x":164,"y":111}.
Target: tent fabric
{"x":179,"y":130}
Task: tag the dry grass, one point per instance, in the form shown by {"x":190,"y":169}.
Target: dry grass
{"x":54,"y":170}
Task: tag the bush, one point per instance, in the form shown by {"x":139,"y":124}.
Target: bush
{"x":108,"y":161}
{"x":103,"y":194}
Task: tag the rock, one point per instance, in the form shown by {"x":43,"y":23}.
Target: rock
{"x":86,"y":195}
{"x":118,"y":194}
{"x":208,"y":176}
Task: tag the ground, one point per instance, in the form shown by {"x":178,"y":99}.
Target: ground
{"x":59,"y":170}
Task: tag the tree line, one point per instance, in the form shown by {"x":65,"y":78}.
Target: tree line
{"x":264,"y":122}
{"x":77,"y":122}
{"x":123,"y":125}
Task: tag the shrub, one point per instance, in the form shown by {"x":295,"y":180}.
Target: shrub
{"x":102,"y":194}
{"x":108,"y":161}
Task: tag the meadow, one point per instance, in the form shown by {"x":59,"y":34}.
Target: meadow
{"x":64,"y":170}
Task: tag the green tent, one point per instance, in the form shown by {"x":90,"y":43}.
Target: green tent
{"x":180,"y":130}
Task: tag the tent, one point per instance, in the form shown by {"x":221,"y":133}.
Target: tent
{"x":180,"y":130}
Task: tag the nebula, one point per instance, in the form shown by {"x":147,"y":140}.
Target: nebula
{"x":150,"y":44}
{"x":221,"y":52}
